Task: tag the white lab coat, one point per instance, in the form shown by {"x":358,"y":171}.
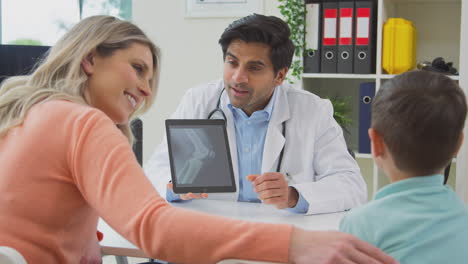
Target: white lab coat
{"x":315,"y":155}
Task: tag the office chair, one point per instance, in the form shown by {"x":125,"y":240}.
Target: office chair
{"x":19,"y":59}
{"x":447,"y":173}
{"x":137,"y":129}
{"x":351,"y":152}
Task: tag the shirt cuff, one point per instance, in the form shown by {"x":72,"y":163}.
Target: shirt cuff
{"x":172,"y":197}
{"x":301,"y":207}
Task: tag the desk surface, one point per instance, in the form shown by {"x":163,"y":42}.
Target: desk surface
{"x":114,"y":244}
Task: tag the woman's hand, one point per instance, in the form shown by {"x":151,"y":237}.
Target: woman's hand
{"x":92,"y":254}
{"x":189,"y":196}
{"x":331,"y":247}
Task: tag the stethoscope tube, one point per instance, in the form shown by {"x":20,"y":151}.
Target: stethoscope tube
{"x":218,"y":109}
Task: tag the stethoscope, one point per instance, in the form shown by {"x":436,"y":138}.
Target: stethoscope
{"x":220,"y":111}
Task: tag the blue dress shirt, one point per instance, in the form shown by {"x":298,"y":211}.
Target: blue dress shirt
{"x":250,"y":134}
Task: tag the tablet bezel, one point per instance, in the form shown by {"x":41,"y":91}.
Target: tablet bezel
{"x":200,"y":189}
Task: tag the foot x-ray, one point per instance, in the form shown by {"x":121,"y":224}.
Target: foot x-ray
{"x":199,"y":156}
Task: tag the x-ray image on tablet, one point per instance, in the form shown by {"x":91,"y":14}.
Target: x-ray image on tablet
{"x":199,"y":156}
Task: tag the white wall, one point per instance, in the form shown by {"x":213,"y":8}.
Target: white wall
{"x":190,"y":55}
{"x":462,"y":158}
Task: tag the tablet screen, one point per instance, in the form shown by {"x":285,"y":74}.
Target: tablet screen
{"x":199,"y":156}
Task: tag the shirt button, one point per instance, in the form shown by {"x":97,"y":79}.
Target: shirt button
{"x":247,"y":149}
{"x":248,"y":122}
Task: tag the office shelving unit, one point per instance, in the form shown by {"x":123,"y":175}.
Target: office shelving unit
{"x":439,"y":25}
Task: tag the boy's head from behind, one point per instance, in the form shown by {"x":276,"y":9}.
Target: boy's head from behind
{"x":418,"y":118}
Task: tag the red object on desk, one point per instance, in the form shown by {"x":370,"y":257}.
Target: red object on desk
{"x":100,"y":236}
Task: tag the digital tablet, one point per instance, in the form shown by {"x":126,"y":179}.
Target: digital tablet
{"x":199,"y":156}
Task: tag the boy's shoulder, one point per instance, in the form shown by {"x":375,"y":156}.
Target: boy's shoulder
{"x":367,"y":212}
{"x":403,"y":205}
{"x":361,"y":221}
{"x":371,"y":215}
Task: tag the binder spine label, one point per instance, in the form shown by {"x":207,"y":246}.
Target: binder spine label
{"x":362,"y":26}
{"x":346,"y":26}
{"x":329,"y":33}
{"x":312,"y":24}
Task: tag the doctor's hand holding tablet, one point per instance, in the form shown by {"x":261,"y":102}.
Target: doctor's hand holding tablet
{"x":271,"y":187}
{"x":190,"y":195}
{"x":190,"y":140}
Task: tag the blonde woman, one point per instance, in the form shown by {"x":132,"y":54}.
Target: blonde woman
{"x":66,"y":160}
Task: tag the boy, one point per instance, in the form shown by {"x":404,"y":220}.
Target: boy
{"x":416,"y":130}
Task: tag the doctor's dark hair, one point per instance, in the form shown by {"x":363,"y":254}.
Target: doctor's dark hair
{"x":420,"y":116}
{"x":269,"y":30}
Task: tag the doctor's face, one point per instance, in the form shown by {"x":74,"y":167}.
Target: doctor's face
{"x":119,"y":83}
{"x":249,"y":76}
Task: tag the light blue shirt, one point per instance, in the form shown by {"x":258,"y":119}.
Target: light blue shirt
{"x":250,"y":141}
{"x":417,"y":221}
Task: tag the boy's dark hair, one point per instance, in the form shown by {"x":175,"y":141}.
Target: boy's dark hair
{"x":269,"y":30}
{"x":420,"y":116}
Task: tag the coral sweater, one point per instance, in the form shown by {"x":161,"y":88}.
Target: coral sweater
{"x":68,"y":164}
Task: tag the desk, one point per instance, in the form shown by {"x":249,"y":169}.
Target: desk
{"x":114,"y":244}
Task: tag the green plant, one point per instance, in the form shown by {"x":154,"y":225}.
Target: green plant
{"x":26,"y":42}
{"x":294,"y":12}
{"x":341,"y":110}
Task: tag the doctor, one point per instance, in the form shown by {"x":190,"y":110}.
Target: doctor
{"x":287,"y":150}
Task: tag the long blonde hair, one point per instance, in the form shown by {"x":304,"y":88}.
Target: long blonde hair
{"x":60,"y":76}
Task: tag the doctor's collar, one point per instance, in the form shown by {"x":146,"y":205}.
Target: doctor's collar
{"x":268,"y":108}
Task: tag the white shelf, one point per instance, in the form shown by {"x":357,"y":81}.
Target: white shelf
{"x":427,"y":1}
{"x":369,"y":156}
{"x":434,"y":39}
{"x":357,"y":76}
{"x":338,"y":76}
{"x":389,"y":76}
{"x":364,"y":155}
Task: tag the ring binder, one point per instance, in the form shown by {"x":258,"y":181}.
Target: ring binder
{"x":312,"y":37}
{"x":329,"y":47}
{"x":366,"y":95}
{"x":345,"y":39}
{"x":364,"y":46}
